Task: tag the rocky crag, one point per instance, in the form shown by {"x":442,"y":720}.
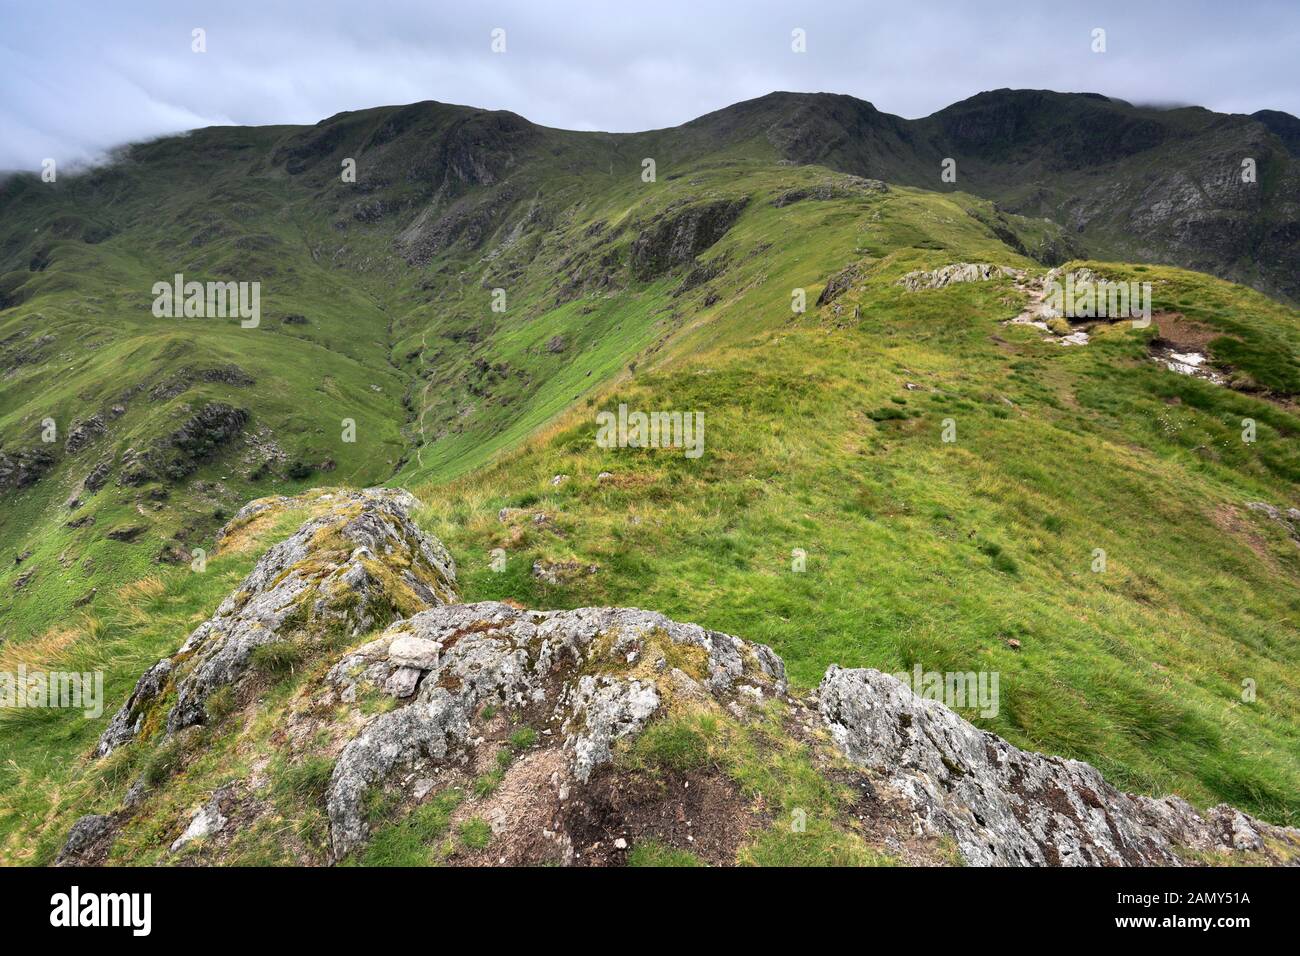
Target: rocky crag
{"x":594,"y":736}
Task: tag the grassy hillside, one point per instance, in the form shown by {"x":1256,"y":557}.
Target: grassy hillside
{"x":922,"y":551}
{"x":823,"y":429}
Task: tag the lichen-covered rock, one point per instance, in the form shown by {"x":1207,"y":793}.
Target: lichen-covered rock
{"x":1006,"y":806}
{"x":416,"y":652}
{"x":357,"y":565}
{"x":87,"y":840}
{"x":124,"y":725}
{"x":208,"y":819}
{"x":953,"y":274}
{"x":595,"y":674}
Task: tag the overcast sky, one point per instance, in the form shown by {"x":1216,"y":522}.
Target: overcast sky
{"x":79,"y":76}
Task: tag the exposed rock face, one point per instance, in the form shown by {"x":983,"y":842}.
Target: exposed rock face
{"x":594,"y":673}
{"x":186,"y":378}
{"x":950,"y":275}
{"x":24,"y":467}
{"x":208,"y":819}
{"x":1009,"y":807}
{"x":181,"y":453}
{"x":677,"y":237}
{"x":98,"y":476}
{"x":838,"y":284}
{"x":842,"y":187}
{"x":83,"y":433}
{"x":356,"y":566}
{"x":470,"y":218}
{"x":215,"y":424}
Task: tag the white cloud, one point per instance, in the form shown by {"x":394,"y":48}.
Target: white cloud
{"x":81,"y":76}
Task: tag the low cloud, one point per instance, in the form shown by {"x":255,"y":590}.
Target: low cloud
{"x":79,"y":77}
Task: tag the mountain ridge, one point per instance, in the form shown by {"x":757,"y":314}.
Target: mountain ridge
{"x":1035,"y":152}
{"x":455,"y":319}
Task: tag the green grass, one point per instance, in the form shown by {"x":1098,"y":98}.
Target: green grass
{"x":918,"y":551}
{"x":277,"y":658}
{"x":652,"y":853}
{"x":523,"y":738}
{"x":921,"y":551}
{"x":475,"y":833}
{"x":416,"y":839}
{"x":671,"y":746}
{"x":486,"y":784}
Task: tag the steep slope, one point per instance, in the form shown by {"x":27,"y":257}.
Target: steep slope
{"x":383,"y":343}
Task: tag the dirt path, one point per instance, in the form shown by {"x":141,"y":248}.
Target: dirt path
{"x":1038,"y":312}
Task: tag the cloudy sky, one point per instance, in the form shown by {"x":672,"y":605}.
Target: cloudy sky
{"x":79,"y":76}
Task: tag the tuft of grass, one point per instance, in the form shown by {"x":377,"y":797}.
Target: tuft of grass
{"x":523,"y":738}
{"x":819,"y":845}
{"x":1001,"y":560}
{"x":486,"y":784}
{"x":671,"y":744}
{"x":475,"y":833}
{"x":653,"y":853}
{"x":306,"y":781}
{"x":415,"y":840}
{"x":278,"y":658}
{"x":220,"y":704}
{"x":163,"y":761}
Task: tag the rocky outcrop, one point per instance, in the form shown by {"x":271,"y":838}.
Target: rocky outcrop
{"x":1009,"y":807}
{"x":186,"y":378}
{"x":98,"y":476}
{"x":596,"y":674}
{"x":356,"y":566}
{"x":678,"y":236}
{"x":841,"y":187}
{"x":208,"y":819}
{"x":87,"y":841}
{"x":200,"y":438}
{"x":24,"y":467}
{"x":953,"y":274}
{"x":414,"y":706}
{"x":839,"y":284}
{"x":472,"y":218}
{"x":82,"y":433}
